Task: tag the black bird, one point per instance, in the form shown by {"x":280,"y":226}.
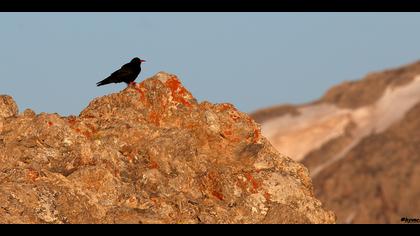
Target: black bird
{"x":127,"y":73}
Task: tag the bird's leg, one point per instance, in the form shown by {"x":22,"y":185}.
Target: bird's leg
{"x":132,"y":84}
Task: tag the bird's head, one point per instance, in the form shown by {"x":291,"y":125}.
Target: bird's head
{"x":137,"y":60}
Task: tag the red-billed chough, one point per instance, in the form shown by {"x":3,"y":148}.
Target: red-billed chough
{"x":127,"y":73}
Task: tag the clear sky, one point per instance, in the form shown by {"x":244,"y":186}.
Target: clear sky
{"x":51,"y":61}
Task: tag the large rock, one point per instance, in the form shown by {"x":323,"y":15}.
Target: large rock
{"x":8,"y":106}
{"x":149,"y":154}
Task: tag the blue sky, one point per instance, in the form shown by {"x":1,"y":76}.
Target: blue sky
{"x":50,"y":62}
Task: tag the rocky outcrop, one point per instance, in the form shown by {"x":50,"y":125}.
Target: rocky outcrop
{"x":8,"y":107}
{"x":148,"y":154}
{"x":356,"y":143}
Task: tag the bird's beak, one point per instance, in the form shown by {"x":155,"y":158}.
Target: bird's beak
{"x":142,"y":60}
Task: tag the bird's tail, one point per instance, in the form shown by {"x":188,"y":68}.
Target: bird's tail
{"x":103,"y":82}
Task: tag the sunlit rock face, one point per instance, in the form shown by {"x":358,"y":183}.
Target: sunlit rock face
{"x":148,"y":154}
{"x":8,"y":107}
{"x":342,"y":139}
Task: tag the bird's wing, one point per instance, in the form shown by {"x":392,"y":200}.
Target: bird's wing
{"x":123,"y":72}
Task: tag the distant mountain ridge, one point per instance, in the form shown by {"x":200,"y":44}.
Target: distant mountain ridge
{"x":342,"y":138}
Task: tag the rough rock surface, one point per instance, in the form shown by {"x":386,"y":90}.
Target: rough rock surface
{"x":360,"y":143}
{"x":148,"y":154}
{"x":8,"y":107}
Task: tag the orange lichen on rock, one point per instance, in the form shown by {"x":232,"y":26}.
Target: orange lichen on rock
{"x":267,"y":196}
{"x":72,"y":121}
{"x":218,"y":195}
{"x":142,"y":91}
{"x":232,"y":111}
{"x":212,"y":185}
{"x":191,"y":125}
{"x":154,"y":118}
{"x":32,"y":175}
{"x":153,"y":165}
{"x":256,"y":130}
{"x":227,"y":133}
{"x":130,"y":157}
{"x":249,"y":183}
{"x":255,"y":183}
{"x":242,"y":184}
{"x":225,"y":106}
{"x":178,"y":91}
{"x":87,"y":134}
{"x":234,"y":116}
{"x":92,"y":128}
{"x":257,"y":135}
